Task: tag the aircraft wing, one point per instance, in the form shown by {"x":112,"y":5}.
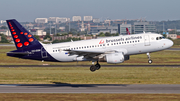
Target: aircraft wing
{"x":94,"y":53}
{"x":87,"y":54}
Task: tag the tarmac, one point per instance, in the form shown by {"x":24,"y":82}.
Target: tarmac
{"x":91,"y":88}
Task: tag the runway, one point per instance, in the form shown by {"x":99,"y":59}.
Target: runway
{"x":91,"y":88}
{"x":149,"y":65}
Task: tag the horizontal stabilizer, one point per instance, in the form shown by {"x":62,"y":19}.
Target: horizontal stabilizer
{"x":18,"y":53}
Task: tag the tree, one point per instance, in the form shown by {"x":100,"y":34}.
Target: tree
{"x":101,"y":34}
{"x":3,"y":39}
{"x":37,"y":37}
{"x":48,"y":37}
{"x":107,"y":34}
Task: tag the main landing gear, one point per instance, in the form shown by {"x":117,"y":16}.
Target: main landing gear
{"x":95,"y":67}
{"x":149,"y":61}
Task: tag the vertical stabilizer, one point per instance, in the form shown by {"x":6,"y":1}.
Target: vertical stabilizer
{"x":23,"y":39}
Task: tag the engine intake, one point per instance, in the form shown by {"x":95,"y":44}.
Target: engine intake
{"x":114,"y":58}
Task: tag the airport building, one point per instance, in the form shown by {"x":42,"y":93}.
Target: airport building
{"x":62,"y":20}
{"x":88,"y":18}
{"x":5,"y":32}
{"x":52,"y":19}
{"x":110,"y":29}
{"x":37,"y":32}
{"x":41,"y":20}
{"x":140,"y":27}
{"x":76,"y":18}
{"x":172,"y":36}
{"x":96,"y":20}
{"x":123,"y":29}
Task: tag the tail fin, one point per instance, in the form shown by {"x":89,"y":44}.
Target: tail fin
{"x":22,"y":38}
{"x":127,"y":31}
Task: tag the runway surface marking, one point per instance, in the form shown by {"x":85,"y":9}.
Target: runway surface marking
{"x":91,"y":88}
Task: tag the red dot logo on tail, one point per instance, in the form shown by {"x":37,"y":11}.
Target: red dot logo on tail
{"x":19,"y":45}
{"x":21,"y":32}
{"x":25,"y":33}
{"x":26,"y":43}
{"x":15,"y":36}
{"x":14,"y":32}
{"x":17,"y":40}
{"x":31,"y":40}
{"x":29,"y":35}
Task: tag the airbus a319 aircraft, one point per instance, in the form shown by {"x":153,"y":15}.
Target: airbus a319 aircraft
{"x":110,"y":49}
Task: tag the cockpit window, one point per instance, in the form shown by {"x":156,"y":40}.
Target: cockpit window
{"x":159,"y":38}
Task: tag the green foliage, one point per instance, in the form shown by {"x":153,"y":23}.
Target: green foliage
{"x":48,"y":37}
{"x":101,"y":34}
{"x":37,"y":37}
{"x":176,"y":41}
{"x":108,"y":34}
{"x":67,"y":40}
{"x":115,"y":34}
{"x":3,"y":39}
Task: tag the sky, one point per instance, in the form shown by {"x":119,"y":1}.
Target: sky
{"x":151,"y":10}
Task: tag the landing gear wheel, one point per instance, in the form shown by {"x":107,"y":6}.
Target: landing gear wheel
{"x":150,"y":61}
{"x":98,"y":66}
{"x":93,"y":68}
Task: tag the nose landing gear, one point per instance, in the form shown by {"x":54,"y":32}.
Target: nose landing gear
{"x":95,"y":67}
{"x":149,"y":61}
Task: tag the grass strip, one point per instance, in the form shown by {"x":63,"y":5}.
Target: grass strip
{"x":79,"y":75}
{"x":89,"y":97}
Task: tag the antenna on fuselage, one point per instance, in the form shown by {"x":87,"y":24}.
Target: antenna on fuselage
{"x":144,"y":32}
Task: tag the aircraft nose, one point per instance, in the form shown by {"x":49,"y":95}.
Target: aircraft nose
{"x":169,"y":43}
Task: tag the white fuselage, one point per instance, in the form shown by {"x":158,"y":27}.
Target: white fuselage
{"x":128,"y":44}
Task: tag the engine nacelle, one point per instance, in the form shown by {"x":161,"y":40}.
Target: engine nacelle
{"x":115,"y":58}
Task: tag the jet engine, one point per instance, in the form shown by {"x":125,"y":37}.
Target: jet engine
{"x":114,"y":58}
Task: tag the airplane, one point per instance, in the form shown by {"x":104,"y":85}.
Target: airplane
{"x":110,"y":49}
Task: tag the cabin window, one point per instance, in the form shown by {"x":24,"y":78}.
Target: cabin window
{"x":103,"y":44}
{"x":92,"y":46}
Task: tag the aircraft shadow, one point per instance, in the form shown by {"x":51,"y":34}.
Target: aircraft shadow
{"x":60,"y":84}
